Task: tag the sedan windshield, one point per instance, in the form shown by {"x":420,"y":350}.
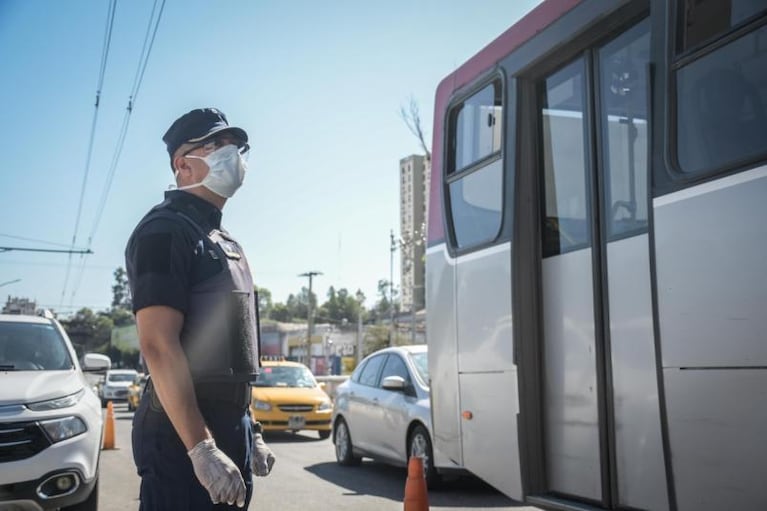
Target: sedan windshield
{"x":421,"y":363}
{"x":32,"y":347}
{"x":285,"y":376}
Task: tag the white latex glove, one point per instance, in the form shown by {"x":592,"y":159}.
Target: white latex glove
{"x":262,"y":457}
{"x":217,"y":473}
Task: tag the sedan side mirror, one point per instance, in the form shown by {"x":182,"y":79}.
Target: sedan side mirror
{"x":396,"y":383}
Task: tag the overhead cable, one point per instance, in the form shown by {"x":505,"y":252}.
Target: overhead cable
{"x":100,"y":83}
{"x":146,"y":51}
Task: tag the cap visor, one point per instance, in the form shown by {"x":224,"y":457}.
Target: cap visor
{"x":237,"y":132}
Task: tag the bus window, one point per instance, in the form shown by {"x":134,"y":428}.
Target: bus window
{"x":565,"y":222}
{"x":624,"y":101}
{"x":704,"y":20}
{"x":722,"y":105}
{"x":475,"y":170}
{"x":475,"y":205}
{"x":476,"y":126}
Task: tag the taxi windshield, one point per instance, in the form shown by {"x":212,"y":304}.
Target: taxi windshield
{"x":285,"y":376}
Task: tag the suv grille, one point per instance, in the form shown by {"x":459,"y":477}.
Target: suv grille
{"x":296,"y":408}
{"x":20,"y":440}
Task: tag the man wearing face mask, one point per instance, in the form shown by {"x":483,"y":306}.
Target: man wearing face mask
{"x":194,"y":443}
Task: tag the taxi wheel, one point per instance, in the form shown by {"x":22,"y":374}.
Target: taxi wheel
{"x":344,"y":450}
{"x":420,"y":445}
{"x":323,"y":434}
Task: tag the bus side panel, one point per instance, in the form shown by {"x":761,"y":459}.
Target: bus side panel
{"x":638,"y":441}
{"x":488,"y":377}
{"x":443,"y":357}
{"x":484,"y":311}
{"x":717,"y":422}
{"x":711,"y":242}
{"x":490,"y":442}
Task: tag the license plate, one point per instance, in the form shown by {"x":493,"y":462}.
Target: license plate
{"x":296,"y":422}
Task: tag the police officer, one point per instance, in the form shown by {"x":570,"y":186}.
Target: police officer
{"x":193,"y":297}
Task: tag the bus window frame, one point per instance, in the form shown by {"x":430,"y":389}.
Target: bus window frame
{"x":676,"y":60}
{"x":447,"y":177}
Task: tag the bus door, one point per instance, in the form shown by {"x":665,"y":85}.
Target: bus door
{"x":601,"y":434}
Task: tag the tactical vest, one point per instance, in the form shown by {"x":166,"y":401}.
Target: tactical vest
{"x":219,"y":335}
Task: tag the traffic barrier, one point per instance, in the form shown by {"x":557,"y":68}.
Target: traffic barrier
{"x":416,"y":496}
{"x":109,"y":427}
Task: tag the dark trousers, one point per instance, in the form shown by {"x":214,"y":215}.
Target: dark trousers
{"x":168,"y":482}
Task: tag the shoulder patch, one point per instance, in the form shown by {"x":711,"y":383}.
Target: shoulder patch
{"x":153,"y":253}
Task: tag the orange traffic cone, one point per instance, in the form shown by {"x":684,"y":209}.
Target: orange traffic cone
{"x":109,"y":427}
{"x":416,"y":496}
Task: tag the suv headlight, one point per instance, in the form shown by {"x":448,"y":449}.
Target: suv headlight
{"x":55,"y":404}
{"x":262,"y":405}
{"x":324,"y":406}
{"x":63,"y":428}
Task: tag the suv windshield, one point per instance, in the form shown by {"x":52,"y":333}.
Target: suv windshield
{"x":32,"y":347}
{"x":285,"y":376}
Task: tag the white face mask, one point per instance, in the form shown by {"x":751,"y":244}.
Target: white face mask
{"x":227,"y":171}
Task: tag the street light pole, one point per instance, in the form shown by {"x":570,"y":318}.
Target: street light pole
{"x":310,"y":318}
{"x":392,"y":249}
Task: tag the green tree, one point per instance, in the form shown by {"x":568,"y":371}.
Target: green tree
{"x":121,"y":291}
{"x":264,"y":302}
{"x":280,"y":312}
{"x":89,"y":331}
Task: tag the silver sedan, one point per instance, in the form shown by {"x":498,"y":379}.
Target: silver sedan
{"x":382,"y":411}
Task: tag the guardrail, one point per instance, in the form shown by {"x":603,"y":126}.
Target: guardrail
{"x":331,"y":383}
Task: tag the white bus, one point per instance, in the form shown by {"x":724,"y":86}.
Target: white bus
{"x":597,"y":257}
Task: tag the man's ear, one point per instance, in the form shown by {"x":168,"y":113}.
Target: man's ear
{"x":180,"y":164}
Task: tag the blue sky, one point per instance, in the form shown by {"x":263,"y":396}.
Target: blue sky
{"x":317,"y":85}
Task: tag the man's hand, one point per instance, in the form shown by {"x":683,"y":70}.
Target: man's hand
{"x":217,"y":473}
{"x":262,"y":457}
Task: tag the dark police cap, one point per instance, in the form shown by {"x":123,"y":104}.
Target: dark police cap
{"x":196,"y":126}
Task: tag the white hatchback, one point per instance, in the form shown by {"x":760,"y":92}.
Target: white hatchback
{"x":50,"y":418}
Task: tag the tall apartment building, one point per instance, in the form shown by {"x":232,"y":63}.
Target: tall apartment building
{"x":414,"y":203}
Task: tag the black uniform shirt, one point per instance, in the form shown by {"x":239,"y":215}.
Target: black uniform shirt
{"x":165,"y":257}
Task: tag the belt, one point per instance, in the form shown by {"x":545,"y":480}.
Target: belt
{"x":237,"y":394}
{"x":232,"y":393}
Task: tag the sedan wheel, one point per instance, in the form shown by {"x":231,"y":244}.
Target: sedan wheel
{"x":344,"y":450}
{"x":420,"y":446}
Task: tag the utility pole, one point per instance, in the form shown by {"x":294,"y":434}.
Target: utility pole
{"x":359,"y":330}
{"x":392,"y":249}
{"x":310,"y":318}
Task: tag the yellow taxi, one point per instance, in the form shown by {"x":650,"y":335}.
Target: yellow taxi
{"x":286,"y":397}
{"x":135,"y":390}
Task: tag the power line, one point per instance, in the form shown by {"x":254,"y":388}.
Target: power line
{"x":146,"y":51}
{"x":102,"y":71}
{"x":25,"y":249}
{"x":22,"y":238}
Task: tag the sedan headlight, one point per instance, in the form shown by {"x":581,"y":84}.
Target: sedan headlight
{"x":63,"y":428}
{"x":325,"y":406}
{"x":262,"y":405}
{"x":55,"y":404}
